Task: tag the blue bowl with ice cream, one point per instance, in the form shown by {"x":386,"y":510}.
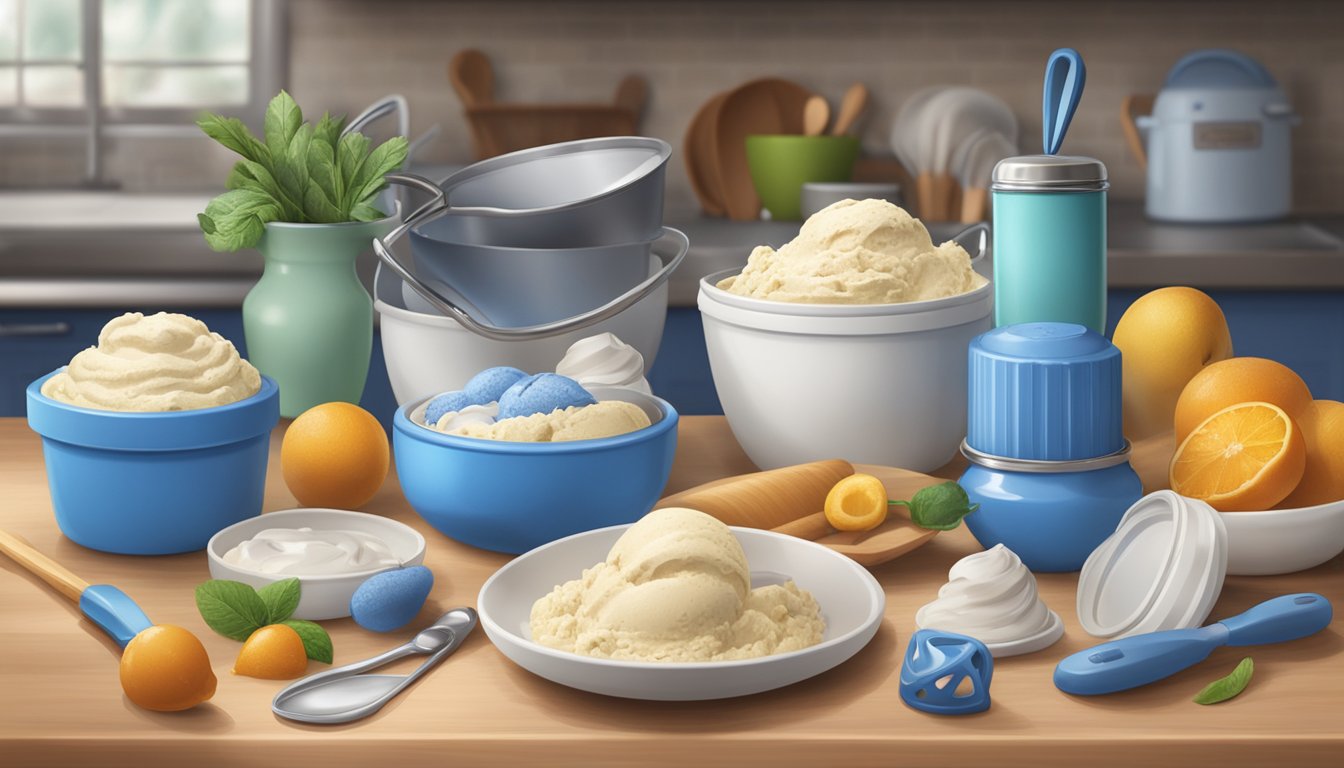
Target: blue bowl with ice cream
{"x":512,"y":497}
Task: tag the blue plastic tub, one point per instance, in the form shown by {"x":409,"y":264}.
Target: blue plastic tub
{"x":513,"y":497}
{"x":154,"y":483}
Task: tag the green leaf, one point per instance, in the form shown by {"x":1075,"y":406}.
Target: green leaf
{"x":231,"y":132}
{"x":366,"y":212}
{"x":329,"y":128}
{"x":939,"y":507}
{"x":291,"y":170}
{"x":388,"y":157}
{"x":316,"y":641}
{"x":237,"y":219}
{"x":351,"y":153}
{"x":283,"y":118}
{"x":231,"y":608}
{"x":255,"y":176}
{"x":322,"y":170}
{"x":319,"y":207}
{"x":1227,"y":687}
{"x":281,"y":598}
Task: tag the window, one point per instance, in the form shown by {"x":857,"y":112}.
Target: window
{"x":157,"y":61}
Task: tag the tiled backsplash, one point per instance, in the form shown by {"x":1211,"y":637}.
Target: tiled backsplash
{"x":345,"y":53}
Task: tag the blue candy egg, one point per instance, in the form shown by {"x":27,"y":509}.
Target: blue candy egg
{"x":542,"y":393}
{"x":389,"y":600}
{"x":489,"y":385}
{"x":446,"y":403}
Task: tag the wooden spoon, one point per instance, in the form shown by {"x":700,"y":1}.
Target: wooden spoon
{"x":816,"y":113}
{"x":765,"y":106}
{"x":472,"y":77}
{"x":852,"y":105}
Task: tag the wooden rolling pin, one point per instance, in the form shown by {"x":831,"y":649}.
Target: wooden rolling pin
{"x":765,"y":499}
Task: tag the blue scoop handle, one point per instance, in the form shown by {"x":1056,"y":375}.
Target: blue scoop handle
{"x":114,"y":612}
{"x":1136,"y":661}
{"x":1065,"y":77}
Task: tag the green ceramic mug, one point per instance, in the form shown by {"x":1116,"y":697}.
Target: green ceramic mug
{"x":781,"y":165}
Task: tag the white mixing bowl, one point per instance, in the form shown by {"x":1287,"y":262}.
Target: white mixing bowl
{"x":875,"y":384}
{"x":428,"y":353}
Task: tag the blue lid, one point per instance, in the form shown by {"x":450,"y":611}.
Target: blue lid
{"x":1044,"y":391}
{"x":1218,"y":68}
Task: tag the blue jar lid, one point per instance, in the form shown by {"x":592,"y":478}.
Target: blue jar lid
{"x":1044,"y":391}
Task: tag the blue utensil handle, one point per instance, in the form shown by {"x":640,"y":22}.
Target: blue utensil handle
{"x":1134,"y":661}
{"x":114,"y":611}
{"x":1279,"y":620}
{"x":1065,"y":77}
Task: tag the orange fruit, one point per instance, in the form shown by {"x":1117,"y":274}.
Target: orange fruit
{"x":165,"y":668}
{"x":274,"y":652}
{"x":1248,"y":456}
{"x":856,"y":503}
{"x":334,"y":455}
{"x":1239,"y":380}
{"x":1323,"y":479}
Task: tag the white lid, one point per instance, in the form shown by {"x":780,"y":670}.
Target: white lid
{"x":1162,"y":569}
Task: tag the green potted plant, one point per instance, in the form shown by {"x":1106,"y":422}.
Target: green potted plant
{"x":305,"y":196}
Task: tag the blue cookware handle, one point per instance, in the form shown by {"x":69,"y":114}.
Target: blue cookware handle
{"x":114,"y":611}
{"x":1134,"y":661}
{"x":1065,"y":76}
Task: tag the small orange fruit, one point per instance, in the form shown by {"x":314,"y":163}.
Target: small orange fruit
{"x":274,"y":652}
{"x":1239,"y":380}
{"x":334,"y":455}
{"x":856,"y":503}
{"x":165,"y":668}
{"x":1249,"y":456}
{"x":1323,"y":479}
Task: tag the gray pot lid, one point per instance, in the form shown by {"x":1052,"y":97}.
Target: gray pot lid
{"x":1218,"y":68}
{"x":1049,"y":171}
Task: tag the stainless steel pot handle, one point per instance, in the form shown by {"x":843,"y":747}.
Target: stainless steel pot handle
{"x":975,"y":239}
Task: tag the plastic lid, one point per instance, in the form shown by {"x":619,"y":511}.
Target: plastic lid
{"x":1218,"y":68}
{"x":1163,"y":568}
{"x":1059,"y":172}
{"x":1045,"y":392}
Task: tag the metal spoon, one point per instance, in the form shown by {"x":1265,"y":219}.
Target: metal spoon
{"x":344,"y":694}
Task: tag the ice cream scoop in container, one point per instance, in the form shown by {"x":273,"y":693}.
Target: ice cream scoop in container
{"x":513,"y":496}
{"x":154,"y":483}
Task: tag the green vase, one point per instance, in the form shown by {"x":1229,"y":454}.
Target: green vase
{"x":308,"y":321}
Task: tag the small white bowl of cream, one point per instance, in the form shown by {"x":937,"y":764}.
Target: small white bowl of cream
{"x":330,"y":551}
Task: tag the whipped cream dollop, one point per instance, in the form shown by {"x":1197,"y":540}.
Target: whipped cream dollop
{"x":306,"y":552}
{"x":162,"y":362}
{"x":471,"y":414}
{"x":605,"y":361}
{"x":990,"y":596}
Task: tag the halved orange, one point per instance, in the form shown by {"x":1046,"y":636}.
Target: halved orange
{"x":1248,"y":456}
{"x":856,"y":503}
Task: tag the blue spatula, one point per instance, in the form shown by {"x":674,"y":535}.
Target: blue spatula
{"x":1134,"y":661}
{"x":108,"y":607}
{"x":1065,"y":77}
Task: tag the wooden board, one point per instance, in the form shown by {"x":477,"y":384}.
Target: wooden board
{"x":60,"y":703}
{"x":765,"y":106}
{"x":698,"y":152}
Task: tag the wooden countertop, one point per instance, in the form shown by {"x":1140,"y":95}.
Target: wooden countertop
{"x":60,"y":701}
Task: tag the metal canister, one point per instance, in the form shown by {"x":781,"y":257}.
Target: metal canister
{"x":1050,"y":240}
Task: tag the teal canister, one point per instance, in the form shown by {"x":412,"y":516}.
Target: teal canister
{"x":1050,"y":240}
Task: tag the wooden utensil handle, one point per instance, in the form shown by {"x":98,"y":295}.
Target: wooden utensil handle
{"x":44,"y":567}
{"x":812,"y":527}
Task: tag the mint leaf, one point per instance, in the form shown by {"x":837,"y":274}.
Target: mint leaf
{"x":231,"y":608}
{"x":351,"y":153}
{"x":388,"y":157}
{"x":322,"y":170}
{"x":291,"y":170}
{"x":238,"y":218}
{"x":366,"y":212}
{"x":283,"y":119}
{"x":329,"y":129}
{"x":255,"y":176}
{"x":281,"y":598}
{"x":939,"y":507}
{"x":316,"y":641}
{"x":319,"y":207}
{"x":1227,"y":687}
{"x":231,"y":132}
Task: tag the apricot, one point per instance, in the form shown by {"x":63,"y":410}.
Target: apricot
{"x":165,"y":668}
{"x":274,"y":652}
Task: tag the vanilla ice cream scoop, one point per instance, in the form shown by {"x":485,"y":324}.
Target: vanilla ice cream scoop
{"x":992,"y":597}
{"x":857,"y":252}
{"x":675,"y":587}
{"x":588,"y":422}
{"x":604,"y":361}
{"x":161,"y":362}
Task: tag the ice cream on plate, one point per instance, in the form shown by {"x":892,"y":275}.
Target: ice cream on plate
{"x":857,"y":252}
{"x":161,"y":362}
{"x":675,"y":588}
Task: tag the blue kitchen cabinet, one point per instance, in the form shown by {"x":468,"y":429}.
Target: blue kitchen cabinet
{"x":34,"y":342}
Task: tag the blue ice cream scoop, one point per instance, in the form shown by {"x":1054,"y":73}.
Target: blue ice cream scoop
{"x":489,"y":385}
{"x":389,"y":600}
{"x":446,"y":403}
{"x":542,"y":393}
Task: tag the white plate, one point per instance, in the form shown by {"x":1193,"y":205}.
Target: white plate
{"x":1283,"y":540}
{"x":851,"y":603}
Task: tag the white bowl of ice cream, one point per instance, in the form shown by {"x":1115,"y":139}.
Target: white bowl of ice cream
{"x":850,"y":341}
{"x":330,"y":551}
{"x":673,"y":614}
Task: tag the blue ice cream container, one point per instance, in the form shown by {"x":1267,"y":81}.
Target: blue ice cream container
{"x":1049,"y":464}
{"x":154,"y":483}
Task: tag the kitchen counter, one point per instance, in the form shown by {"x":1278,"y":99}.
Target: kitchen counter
{"x":62,"y":703}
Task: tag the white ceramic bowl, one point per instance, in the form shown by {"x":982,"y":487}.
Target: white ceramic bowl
{"x":427,"y":353}
{"x":851,"y":603}
{"x":875,"y":384}
{"x":324,"y":596}
{"x":1283,"y":540}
